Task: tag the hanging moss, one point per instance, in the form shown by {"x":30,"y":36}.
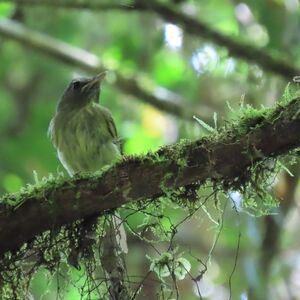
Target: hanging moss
{"x":52,"y":249}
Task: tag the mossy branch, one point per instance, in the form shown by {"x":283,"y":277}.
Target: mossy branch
{"x":225,"y":158}
{"x":265,"y":59}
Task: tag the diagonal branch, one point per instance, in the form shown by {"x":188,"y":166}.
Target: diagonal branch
{"x":265,"y":59}
{"x":242,"y":50}
{"x":224,"y":158}
{"x":159,"y":97}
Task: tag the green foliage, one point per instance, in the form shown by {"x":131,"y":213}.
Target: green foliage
{"x":40,"y":189}
{"x":205,"y":125}
{"x":12,"y":183}
{"x":170,"y":264}
{"x":168,"y":68}
{"x":189,"y":218}
{"x":158,"y":225}
{"x":6,"y":9}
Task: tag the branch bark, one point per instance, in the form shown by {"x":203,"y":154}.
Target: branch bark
{"x":221,"y":158}
{"x":266,"y":60}
{"x":157,"y":96}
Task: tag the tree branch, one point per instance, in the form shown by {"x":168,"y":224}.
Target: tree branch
{"x":224,"y":158}
{"x":245,"y":51}
{"x":241,"y":50}
{"x":159,"y":97}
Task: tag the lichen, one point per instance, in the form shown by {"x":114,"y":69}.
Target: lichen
{"x":52,"y":249}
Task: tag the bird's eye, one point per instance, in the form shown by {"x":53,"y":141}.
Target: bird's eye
{"x":76,"y":85}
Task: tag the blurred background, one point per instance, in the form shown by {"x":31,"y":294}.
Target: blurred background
{"x":162,"y":72}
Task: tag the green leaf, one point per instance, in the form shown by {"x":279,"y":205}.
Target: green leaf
{"x":204,"y":125}
{"x":161,"y":265}
{"x":6,"y":9}
{"x":168,"y":68}
{"x":12,"y":183}
{"x":182,"y":268}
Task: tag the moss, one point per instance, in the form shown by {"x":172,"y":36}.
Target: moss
{"x":77,"y":195}
{"x":126,"y":193}
{"x":164,"y":184}
{"x":53,"y":248}
{"x":49,"y":251}
{"x":40,"y":190}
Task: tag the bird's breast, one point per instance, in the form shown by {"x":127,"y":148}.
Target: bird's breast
{"x":84,"y":143}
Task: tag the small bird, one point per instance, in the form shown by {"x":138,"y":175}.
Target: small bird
{"x":85,"y":135}
{"x":82,"y":131}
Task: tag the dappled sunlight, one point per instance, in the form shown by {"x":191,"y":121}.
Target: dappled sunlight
{"x":173,"y":36}
{"x":197,"y":137}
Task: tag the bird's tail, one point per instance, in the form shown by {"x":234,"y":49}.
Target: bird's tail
{"x":114,"y":247}
{"x":120,"y":233}
{"x":111,"y":256}
{"x":115,"y":236}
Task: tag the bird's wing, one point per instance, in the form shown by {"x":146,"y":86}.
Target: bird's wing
{"x":51,"y":132}
{"x":111,"y":126}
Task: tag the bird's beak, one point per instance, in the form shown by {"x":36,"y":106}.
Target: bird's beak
{"x":101,"y":76}
{"x":95,"y":81}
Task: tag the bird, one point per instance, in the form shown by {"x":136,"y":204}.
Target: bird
{"x":85,"y":137}
{"x":84,"y":132}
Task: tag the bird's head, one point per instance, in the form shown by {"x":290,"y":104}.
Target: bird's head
{"x":80,"y":92}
